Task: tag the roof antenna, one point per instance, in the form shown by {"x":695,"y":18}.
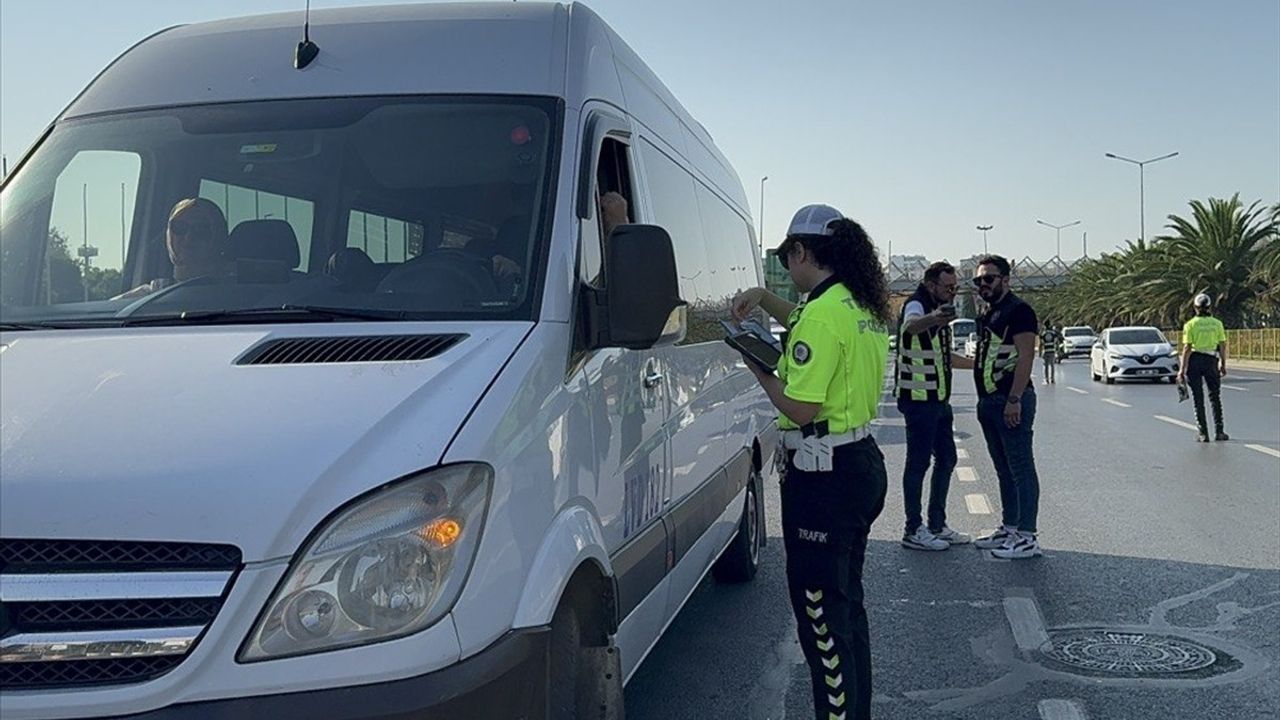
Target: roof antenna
{"x":306,"y":50}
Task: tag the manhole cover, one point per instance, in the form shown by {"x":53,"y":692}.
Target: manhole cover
{"x":1112,"y":653}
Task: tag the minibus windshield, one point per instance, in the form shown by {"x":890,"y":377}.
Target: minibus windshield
{"x":373,"y":208}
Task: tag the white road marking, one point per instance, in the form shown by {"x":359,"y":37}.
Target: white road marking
{"x":1117,"y":403}
{"x":966,"y":474}
{"x":1077,"y":390}
{"x":1026,"y":622}
{"x":1237,"y":388}
{"x":1179,"y":423}
{"x":978,"y":504}
{"x":1276,"y":395}
{"x":1264,"y":449}
{"x":963,"y":454}
{"x":1060,"y":710}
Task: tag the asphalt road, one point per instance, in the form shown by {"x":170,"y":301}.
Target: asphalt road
{"x":1158,"y":596}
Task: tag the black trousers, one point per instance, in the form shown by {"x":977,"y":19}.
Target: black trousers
{"x":826,"y":517}
{"x":1202,"y":368}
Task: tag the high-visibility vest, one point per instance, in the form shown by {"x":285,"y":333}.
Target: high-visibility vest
{"x":924,"y":359}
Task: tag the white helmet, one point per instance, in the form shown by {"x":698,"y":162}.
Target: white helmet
{"x":1202,"y":301}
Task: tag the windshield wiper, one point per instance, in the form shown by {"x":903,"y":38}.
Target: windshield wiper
{"x":61,"y":325}
{"x":282,"y":313}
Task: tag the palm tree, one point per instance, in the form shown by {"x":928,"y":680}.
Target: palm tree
{"x":1213,"y":253}
{"x":1223,"y":249}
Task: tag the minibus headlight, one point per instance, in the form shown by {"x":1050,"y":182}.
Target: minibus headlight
{"x":390,"y":564}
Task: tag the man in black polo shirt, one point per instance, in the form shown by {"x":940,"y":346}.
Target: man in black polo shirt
{"x":1007,"y":407}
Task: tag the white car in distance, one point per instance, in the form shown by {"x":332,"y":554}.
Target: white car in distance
{"x":961,"y":329}
{"x":1078,"y":340}
{"x":1133,"y":353}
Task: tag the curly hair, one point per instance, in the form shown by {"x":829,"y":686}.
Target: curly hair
{"x":851,"y":256}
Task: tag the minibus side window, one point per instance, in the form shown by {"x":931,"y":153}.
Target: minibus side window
{"x":613,"y":174}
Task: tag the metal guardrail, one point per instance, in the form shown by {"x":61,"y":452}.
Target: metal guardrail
{"x":1245,"y":344}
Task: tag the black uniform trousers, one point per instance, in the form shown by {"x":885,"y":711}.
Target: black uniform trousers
{"x":826,"y":517}
{"x":1203,"y":369}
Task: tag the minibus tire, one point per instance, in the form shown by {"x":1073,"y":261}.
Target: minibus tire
{"x":572,"y":694}
{"x":741,"y":559}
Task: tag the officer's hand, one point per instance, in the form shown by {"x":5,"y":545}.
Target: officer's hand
{"x":745,"y":303}
{"x":946,"y":312}
{"x":1182,"y":378}
{"x":1012,"y":414}
{"x":1222,"y":370}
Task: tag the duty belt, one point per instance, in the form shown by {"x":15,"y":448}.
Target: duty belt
{"x":793,"y":439}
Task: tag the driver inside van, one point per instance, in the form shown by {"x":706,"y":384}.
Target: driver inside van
{"x":196,"y":238}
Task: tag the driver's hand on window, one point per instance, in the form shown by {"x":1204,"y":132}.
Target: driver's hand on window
{"x":505,"y":267}
{"x":613,"y":211}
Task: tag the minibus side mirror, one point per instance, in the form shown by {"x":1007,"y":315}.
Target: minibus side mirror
{"x":640,"y":306}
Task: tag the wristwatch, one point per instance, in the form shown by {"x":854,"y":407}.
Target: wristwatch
{"x":1015,"y":400}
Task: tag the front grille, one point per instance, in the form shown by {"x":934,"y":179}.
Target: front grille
{"x":84,"y":555}
{"x":112,"y":614}
{"x":77,"y":613}
{"x":80,"y":673}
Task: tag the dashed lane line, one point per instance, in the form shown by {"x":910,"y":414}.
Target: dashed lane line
{"x":966,"y":475}
{"x":1060,"y":710}
{"x":1026,"y":622}
{"x":1264,"y":449}
{"x":1179,"y":423}
{"x":1117,"y":403}
{"x":962,"y":454}
{"x":1237,"y":388}
{"x":1078,"y":391}
{"x":978,"y":504}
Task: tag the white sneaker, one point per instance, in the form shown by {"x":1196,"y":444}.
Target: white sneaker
{"x":952,"y":537}
{"x":922,"y":539}
{"x":996,"y":539}
{"x":1020,"y":547}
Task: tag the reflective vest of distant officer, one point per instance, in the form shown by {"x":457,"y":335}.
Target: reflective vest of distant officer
{"x":923,"y":389}
{"x":827,"y":392}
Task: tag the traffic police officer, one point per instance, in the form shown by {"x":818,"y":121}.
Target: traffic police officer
{"x":827,"y":392}
{"x":923,"y":387}
{"x":1204,"y":361}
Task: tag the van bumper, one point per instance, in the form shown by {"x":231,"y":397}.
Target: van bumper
{"x":506,"y":680}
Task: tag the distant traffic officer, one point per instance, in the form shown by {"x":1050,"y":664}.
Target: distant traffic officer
{"x":1204,"y":362}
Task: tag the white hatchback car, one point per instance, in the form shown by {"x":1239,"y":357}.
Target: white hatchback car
{"x":1133,"y":353}
{"x":1078,"y":340}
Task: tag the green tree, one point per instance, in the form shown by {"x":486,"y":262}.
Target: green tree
{"x":1223,"y":248}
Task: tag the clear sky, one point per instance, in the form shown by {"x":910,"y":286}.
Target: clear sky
{"x":922,"y":119}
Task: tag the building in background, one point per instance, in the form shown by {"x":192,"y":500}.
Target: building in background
{"x":778,"y":281}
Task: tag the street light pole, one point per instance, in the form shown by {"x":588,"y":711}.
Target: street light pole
{"x":766,"y":177}
{"x":984,"y":229}
{"x":1142,"y":191}
{"x":1058,"y":229}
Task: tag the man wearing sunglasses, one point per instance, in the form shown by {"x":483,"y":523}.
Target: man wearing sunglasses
{"x":1007,"y":407}
{"x":196,"y":238}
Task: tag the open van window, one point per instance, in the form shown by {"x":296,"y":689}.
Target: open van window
{"x":399,"y":206}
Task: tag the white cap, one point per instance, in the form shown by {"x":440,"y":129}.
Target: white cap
{"x":814,"y":220}
{"x":1203,"y":300}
